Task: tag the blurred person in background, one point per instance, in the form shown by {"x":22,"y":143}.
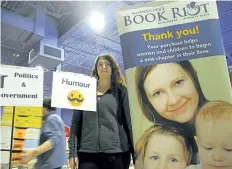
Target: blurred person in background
{"x":51,"y":151}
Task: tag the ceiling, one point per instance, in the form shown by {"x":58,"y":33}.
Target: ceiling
{"x":16,"y":43}
{"x":225,"y":14}
{"x":80,"y":42}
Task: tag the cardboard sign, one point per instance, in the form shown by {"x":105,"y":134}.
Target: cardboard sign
{"x":21,"y":86}
{"x":74,"y":91}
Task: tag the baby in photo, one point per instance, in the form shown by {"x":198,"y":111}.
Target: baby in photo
{"x":214,"y":136}
{"x":162,"y":148}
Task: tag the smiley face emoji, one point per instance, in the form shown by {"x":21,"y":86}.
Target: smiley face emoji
{"x":75,"y":98}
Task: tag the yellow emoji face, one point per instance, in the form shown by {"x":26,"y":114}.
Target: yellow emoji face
{"x":75,"y":98}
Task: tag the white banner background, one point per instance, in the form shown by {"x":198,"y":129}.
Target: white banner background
{"x":152,"y":7}
{"x":21,"y":81}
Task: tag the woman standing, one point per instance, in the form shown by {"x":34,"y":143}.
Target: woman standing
{"x":103,"y":139}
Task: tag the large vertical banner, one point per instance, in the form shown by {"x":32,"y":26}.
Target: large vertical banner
{"x":175,"y":64}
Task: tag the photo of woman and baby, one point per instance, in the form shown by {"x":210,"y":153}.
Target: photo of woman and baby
{"x":187,"y":129}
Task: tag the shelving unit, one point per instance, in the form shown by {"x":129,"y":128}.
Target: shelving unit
{"x":20,"y":128}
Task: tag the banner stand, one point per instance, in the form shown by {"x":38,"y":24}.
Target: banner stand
{"x":12,"y":135}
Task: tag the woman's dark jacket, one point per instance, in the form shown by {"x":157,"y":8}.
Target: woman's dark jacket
{"x":108,"y":130}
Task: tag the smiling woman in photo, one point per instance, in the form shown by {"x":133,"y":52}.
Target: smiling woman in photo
{"x":170,"y":94}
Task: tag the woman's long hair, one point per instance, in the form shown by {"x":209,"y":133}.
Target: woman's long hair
{"x":149,"y":111}
{"x":117,"y":79}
